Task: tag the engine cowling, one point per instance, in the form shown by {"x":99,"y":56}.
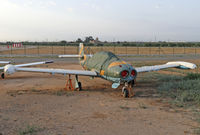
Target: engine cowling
{"x":9,"y":69}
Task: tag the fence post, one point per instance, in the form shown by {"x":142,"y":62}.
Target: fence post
{"x":195,"y":51}
{"x":11,"y":49}
{"x":64,"y":48}
{"x":138,"y":51}
{"x":38,"y":49}
{"x":159,"y":50}
{"x":25,"y":50}
{"x":149,"y":50}
{"x":126,"y":51}
{"x":52,"y":49}
{"x":173,"y":51}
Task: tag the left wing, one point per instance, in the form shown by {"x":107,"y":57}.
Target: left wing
{"x":59,"y":71}
{"x":34,"y":63}
{"x":10,"y":69}
{"x":4,"y":62}
{"x":176,"y":64}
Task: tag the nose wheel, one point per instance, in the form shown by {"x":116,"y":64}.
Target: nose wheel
{"x":127,"y":90}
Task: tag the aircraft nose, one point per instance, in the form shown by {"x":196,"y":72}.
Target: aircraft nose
{"x":128,"y":73}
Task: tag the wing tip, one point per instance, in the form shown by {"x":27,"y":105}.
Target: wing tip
{"x":50,"y":61}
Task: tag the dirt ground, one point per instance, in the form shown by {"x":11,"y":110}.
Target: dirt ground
{"x":38,"y":100}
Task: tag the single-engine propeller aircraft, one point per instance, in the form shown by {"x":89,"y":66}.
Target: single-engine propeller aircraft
{"x":107,"y":66}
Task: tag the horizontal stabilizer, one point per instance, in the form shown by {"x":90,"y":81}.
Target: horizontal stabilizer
{"x":72,"y":56}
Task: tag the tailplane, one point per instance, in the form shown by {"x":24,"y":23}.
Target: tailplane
{"x":80,"y":55}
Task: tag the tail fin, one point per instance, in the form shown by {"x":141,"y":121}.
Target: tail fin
{"x":81,"y":49}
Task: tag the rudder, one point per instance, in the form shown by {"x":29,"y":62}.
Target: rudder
{"x":81,"y":49}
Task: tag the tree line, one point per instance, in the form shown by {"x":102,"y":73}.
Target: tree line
{"x":90,"y":41}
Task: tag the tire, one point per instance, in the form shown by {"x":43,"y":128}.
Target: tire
{"x":125,"y":93}
{"x":80,"y":86}
{"x":2,"y":75}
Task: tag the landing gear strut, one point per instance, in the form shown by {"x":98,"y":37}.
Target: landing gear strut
{"x":127,"y":90}
{"x":69,"y":85}
{"x":78,"y":85}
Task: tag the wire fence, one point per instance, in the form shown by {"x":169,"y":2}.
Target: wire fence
{"x":125,"y":50}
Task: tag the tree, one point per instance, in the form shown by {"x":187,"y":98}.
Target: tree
{"x":79,"y":40}
{"x":88,"y":39}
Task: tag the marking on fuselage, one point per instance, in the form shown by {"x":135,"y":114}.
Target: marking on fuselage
{"x":102,"y":72}
{"x":116,"y":63}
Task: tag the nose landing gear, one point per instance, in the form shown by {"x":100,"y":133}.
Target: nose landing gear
{"x":127,"y":90}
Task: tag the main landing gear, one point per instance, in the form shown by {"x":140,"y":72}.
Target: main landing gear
{"x":2,"y":75}
{"x":69,"y":86}
{"x":127,"y":90}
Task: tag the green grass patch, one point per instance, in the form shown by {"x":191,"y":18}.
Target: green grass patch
{"x":184,"y":90}
{"x":29,"y":130}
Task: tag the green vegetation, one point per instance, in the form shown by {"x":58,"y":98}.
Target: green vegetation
{"x":142,"y":106}
{"x":29,"y":130}
{"x":184,"y":90}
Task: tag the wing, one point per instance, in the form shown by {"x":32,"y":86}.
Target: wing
{"x":4,"y":62}
{"x":28,"y":64}
{"x":58,"y":71}
{"x":176,"y":64}
{"x":34,"y":63}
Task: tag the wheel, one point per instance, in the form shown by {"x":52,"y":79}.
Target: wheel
{"x":2,"y":75}
{"x":80,"y":86}
{"x":125,"y":93}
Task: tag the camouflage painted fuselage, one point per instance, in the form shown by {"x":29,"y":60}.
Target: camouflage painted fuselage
{"x":108,"y":66}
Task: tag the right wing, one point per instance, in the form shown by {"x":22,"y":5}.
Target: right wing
{"x":176,"y":64}
{"x":58,"y":71}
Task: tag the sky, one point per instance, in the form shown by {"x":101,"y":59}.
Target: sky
{"x":109,"y":20}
